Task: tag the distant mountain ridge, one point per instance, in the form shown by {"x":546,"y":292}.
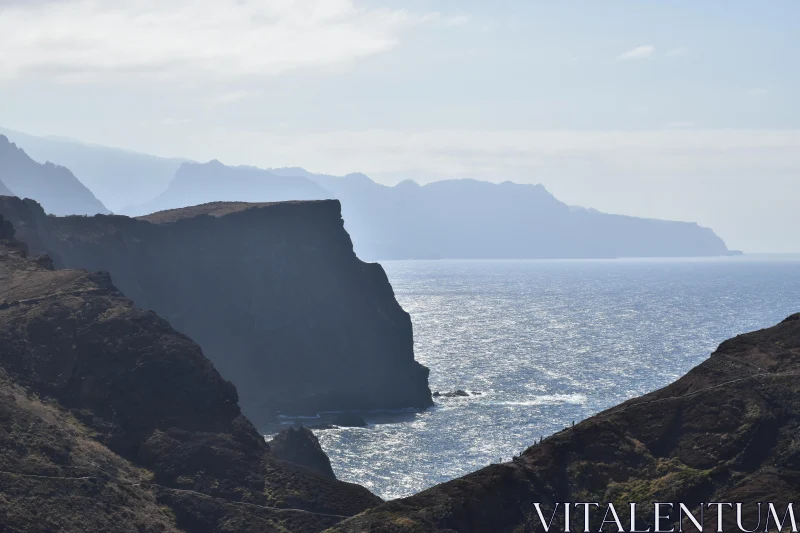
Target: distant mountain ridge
{"x":5,"y":191}
{"x":196,"y":184}
{"x":452,"y":219}
{"x":55,"y":187}
{"x":119,"y":178}
{"x":456,"y":219}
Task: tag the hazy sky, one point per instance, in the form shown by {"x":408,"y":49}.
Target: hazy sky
{"x":669,"y":109}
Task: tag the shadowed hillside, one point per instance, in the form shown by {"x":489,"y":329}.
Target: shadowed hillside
{"x":114,"y":421}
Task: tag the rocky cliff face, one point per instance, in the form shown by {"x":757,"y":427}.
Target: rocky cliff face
{"x":114,"y":421}
{"x":725,"y":432}
{"x":55,"y":187}
{"x":272,"y":292}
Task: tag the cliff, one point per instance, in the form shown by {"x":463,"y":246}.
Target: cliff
{"x":725,"y":432}
{"x":53,"y":186}
{"x":114,"y":421}
{"x":273,"y":293}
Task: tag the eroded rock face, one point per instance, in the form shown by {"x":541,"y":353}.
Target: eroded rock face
{"x":273,"y":293}
{"x":114,"y":421}
{"x":301,"y":447}
{"x":725,"y":432}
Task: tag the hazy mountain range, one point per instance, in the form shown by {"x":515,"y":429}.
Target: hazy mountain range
{"x":119,"y":178}
{"x":53,"y":186}
{"x":460,"y":218}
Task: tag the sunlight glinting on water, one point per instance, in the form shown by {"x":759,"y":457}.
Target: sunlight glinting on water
{"x":547,"y":343}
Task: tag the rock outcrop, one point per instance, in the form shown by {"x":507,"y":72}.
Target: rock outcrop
{"x":273,"y":293}
{"x":301,"y":447}
{"x":113,"y":421}
{"x":725,"y":432}
{"x":53,"y":186}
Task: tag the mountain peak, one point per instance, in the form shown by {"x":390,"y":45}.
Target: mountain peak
{"x":53,"y":186}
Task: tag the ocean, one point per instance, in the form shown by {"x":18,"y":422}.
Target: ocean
{"x":546,"y":343}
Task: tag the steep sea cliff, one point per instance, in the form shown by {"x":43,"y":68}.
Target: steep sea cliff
{"x":273,"y":293}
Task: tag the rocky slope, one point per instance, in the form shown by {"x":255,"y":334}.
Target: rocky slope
{"x":725,"y":432}
{"x":53,"y":186}
{"x":272,"y":292}
{"x":299,"y":446}
{"x":113,"y":421}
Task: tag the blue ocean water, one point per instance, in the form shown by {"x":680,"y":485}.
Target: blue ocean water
{"x":546,"y":343}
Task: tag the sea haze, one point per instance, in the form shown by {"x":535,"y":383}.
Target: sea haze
{"x":546,"y":343}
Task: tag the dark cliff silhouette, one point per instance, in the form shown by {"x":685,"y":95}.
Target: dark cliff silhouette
{"x":273,"y":293}
{"x":53,"y":186}
{"x":114,"y":421}
{"x":453,"y":219}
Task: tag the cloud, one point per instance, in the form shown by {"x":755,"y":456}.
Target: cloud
{"x":640,"y":52}
{"x":88,"y":40}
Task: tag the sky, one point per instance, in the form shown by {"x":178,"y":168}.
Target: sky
{"x":684,"y":110}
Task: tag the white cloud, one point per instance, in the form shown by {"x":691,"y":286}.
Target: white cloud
{"x":640,"y":52}
{"x":78,"y":40}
